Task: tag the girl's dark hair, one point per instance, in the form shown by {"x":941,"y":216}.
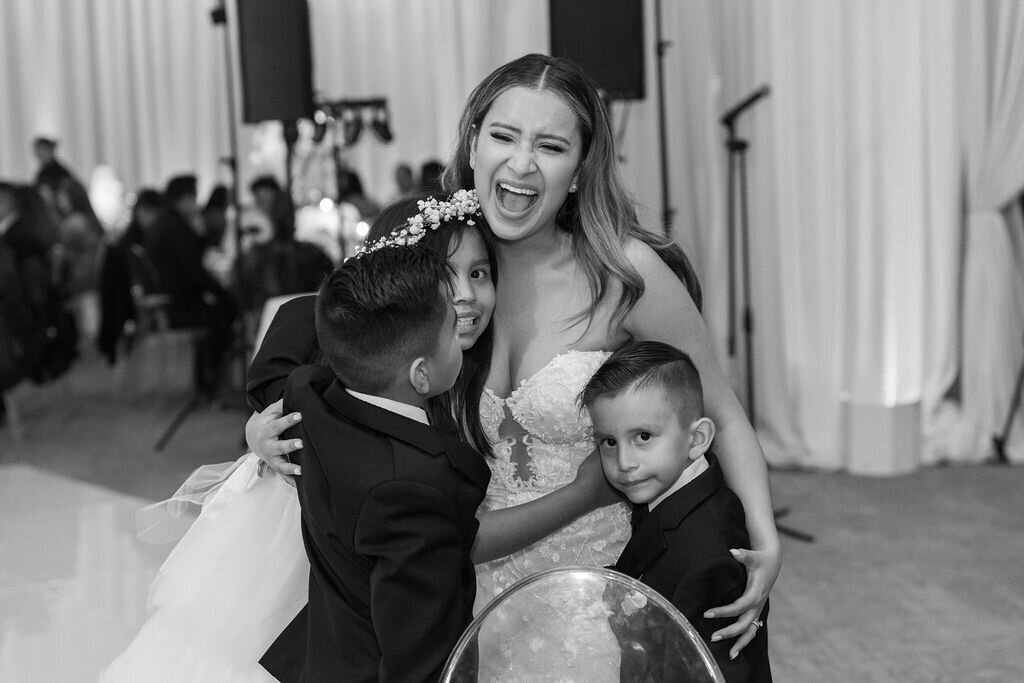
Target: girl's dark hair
{"x":462,"y":402}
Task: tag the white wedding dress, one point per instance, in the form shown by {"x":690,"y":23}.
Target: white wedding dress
{"x":240,"y":573}
{"x":540,"y":437}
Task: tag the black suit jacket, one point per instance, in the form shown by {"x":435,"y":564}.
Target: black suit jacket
{"x":176,"y":251}
{"x":681,"y":550}
{"x":388,"y":520}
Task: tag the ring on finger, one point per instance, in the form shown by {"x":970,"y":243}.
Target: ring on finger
{"x":757,"y":623}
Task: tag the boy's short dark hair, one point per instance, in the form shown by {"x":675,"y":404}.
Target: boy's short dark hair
{"x":649,"y":364}
{"x":380,"y":311}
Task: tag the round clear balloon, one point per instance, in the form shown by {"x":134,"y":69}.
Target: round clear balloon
{"x":580,"y":624}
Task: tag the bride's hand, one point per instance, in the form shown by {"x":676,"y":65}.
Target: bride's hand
{"x":262,"y":433}
{"x":762,"y":570}
{"x":590,"y":476}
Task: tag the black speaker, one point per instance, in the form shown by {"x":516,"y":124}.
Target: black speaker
{"x":277,"y":62}
{"x":606,"y":38}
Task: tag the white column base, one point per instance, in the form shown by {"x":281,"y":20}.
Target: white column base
{"x":882,"y":440}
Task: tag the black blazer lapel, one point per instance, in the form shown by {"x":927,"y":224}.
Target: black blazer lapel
{"x":674,"y":509}
{"x":462,"y":457}
{"x":645,"y":546}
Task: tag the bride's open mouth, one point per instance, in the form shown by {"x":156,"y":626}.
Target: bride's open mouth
{"x":515,"y":199}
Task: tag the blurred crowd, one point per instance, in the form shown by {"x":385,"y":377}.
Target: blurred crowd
{"x":69,"y":280}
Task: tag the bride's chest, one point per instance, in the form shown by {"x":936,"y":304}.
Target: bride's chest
{"x":545,"y":404}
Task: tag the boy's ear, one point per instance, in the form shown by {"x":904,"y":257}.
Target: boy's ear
{"x":419,"y":376}
{"x":702,"y":433}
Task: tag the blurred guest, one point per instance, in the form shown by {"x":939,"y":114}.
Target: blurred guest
{"x":175,"y":249}
{"x":117,"y":308}
{"x":51,"y":171}
{"x":350,"y":190}
{"x":405,"y":182}
{"x":215,"y":215}
{"x":259,"y":222}
{"x":25,"y":223}
{"x":81,"y":244}
{"x":281,"y":265}
{"x":44,"y":328}
{"x":430,"y":176}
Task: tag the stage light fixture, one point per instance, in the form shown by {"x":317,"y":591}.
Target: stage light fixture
{"x":381,"y":124}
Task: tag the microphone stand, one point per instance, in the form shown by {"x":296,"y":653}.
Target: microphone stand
{"x":736,"y":148}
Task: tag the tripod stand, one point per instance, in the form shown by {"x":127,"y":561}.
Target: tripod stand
{"x":218,"y":17}
{"x":999,"y":441}
{"x":737,"y":190}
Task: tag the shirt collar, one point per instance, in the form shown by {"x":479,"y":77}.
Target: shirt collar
{"x":692,"y":471}
{"x":403,"y":409}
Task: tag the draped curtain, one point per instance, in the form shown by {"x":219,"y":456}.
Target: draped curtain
{"x":136,"y":85}
{"x":993,"y":293}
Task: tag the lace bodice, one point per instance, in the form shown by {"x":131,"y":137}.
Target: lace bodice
{"x":540,"y":437}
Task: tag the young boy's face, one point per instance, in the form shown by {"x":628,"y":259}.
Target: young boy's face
{"x":644,"y":448}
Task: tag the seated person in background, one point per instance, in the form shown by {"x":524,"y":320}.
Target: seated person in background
{"x":116,"y":305}
{"x":82,"y":241}
{"x":430,"y":175}
{"x":350,"y":190}
{"x":646,"y":404}
{"x":215,"y":216}
{"x":388,"y":502}
{"x":197,"y":299}
{"x":281,"y":265}
{"x":29,"y":232}
{"x":405,"y":183}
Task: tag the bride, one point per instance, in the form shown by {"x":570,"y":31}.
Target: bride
{"x":578,"y":278}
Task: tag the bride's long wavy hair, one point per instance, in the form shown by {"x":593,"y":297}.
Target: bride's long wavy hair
{"x":600,"y":216}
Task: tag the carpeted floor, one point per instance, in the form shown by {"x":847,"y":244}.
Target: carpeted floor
{"x":914,"y":578}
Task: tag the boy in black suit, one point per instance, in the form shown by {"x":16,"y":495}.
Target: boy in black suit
{"x":646,"y":404}
{"x":388,"y":502}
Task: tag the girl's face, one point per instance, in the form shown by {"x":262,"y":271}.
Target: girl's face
{"x":524,"y":158}
{"x":473,"y":285}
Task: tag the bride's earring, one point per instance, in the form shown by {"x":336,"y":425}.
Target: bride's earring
{"x":573,"y":187}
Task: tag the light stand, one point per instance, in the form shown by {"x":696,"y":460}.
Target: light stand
{"x":737,"y":190}
{"x":667,"y":212}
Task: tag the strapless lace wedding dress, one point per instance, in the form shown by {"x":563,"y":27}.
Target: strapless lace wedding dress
{"x":540,"y":437}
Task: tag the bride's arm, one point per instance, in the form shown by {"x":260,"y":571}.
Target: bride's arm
{"x":503,"y":532}
{"x":666,"y":313}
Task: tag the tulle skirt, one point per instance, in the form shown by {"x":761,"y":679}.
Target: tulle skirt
{"x":234,"y":581}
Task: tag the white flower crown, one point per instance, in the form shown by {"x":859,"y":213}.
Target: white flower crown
{"x":463,"y":205}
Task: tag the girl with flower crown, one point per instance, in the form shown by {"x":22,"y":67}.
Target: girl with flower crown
{"x":579,"y":277}
{"x":214,"y":608}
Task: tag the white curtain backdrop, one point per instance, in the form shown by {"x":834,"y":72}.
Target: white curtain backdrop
{"x":867,"y":310}
{"x":135,"y":85}
{"x":993,"y":293}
